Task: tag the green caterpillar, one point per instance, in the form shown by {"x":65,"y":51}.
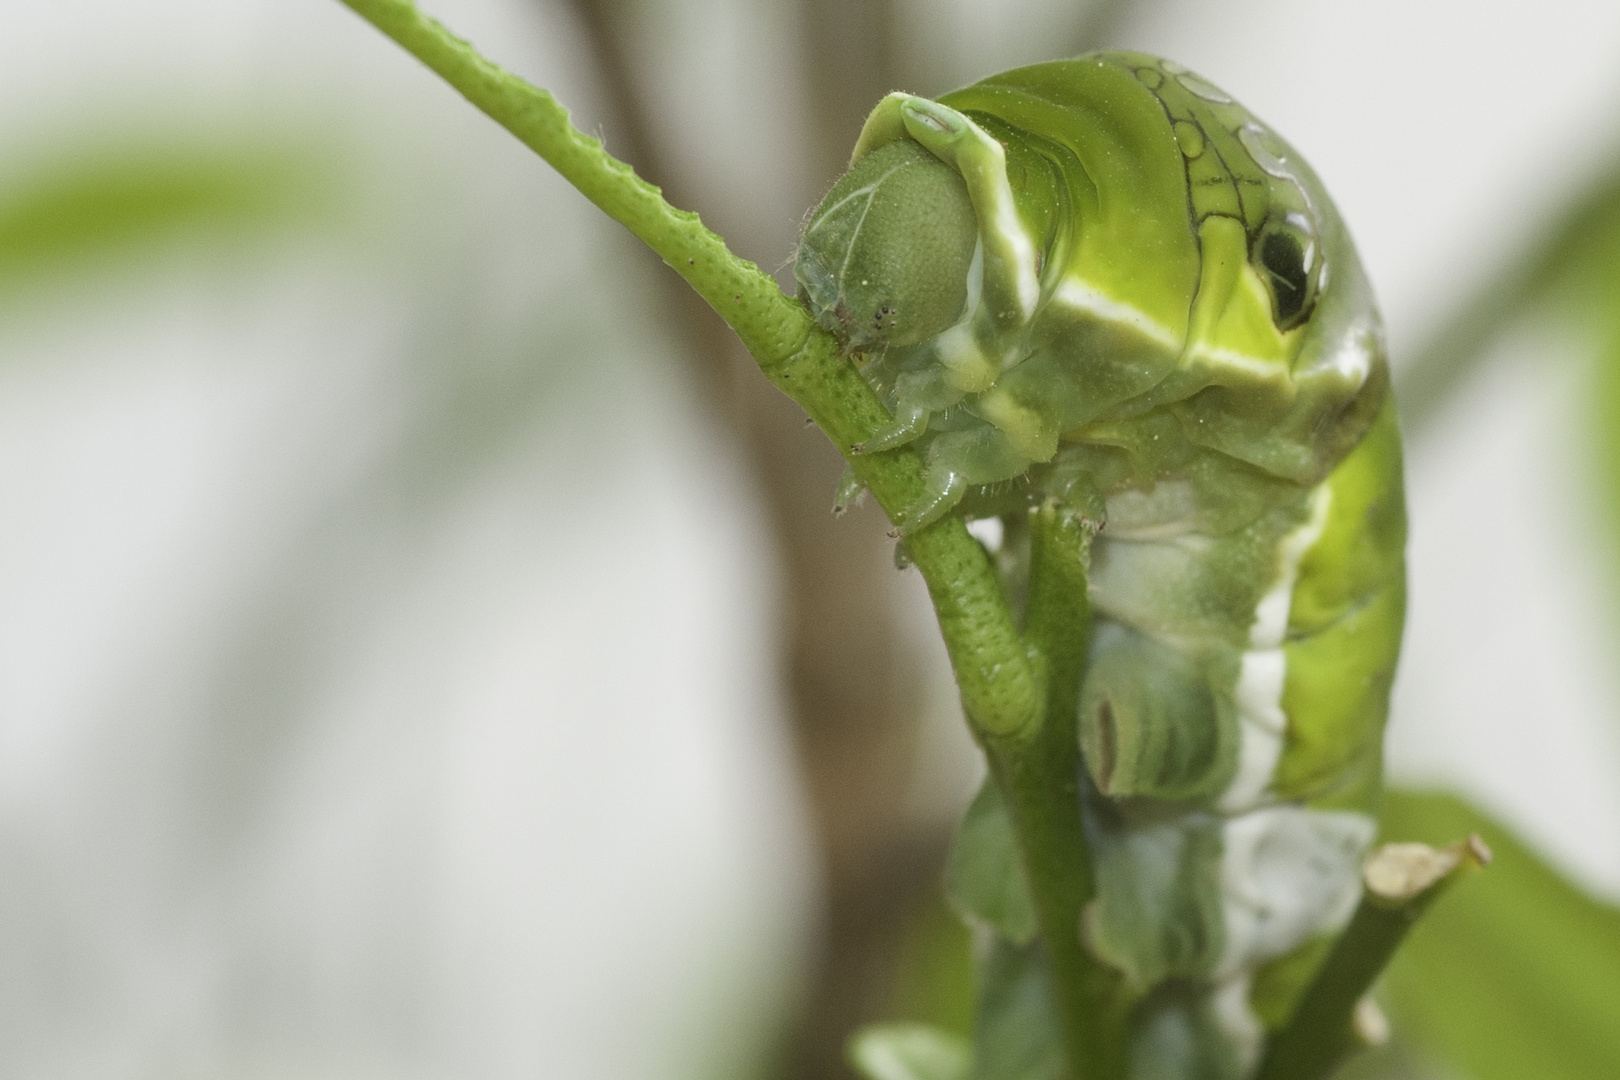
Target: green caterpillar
{"x":1101,"y":280}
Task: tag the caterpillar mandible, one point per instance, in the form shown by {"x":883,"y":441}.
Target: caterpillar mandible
{"x":1103,"y":280}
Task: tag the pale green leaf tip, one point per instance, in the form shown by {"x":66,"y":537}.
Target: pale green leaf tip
{"x":908,"y":1051}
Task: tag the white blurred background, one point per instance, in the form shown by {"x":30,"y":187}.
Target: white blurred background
{"x":390,"y":667}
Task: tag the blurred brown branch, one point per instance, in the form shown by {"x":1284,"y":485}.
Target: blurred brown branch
{"x":852,"y":690}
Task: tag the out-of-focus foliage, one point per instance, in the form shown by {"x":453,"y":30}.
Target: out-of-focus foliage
{"x":1598,"y":293}
{"x":936,"y":1000}
{"x":259,"y":318}
{"x":911,"y":1052}
{"x":983,"y":879}
{"x":1574,"y":263}
{"x":1514,"y":967}
{"x":132,"y":199}
{"x":1016,"y":1030}
{"x":1516,"y":972}
{"x":934,"y":973}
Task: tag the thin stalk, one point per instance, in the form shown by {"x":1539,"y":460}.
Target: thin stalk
{"x":850,"y":684}
{"x":993,"y":673}
{"x":1038,"y":772}
{"x":1003,"y":695}
{"x":1401,"y":882}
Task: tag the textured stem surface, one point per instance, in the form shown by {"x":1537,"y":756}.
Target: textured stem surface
{"x":993,"y":673}
{"x":1038,"y":771}
{"x":1002,"y":695}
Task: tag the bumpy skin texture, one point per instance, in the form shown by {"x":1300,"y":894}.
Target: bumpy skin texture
{"x":1162,"y":321}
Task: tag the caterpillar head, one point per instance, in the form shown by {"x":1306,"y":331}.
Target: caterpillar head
{"x":1085,"y":243}
{"x":885,"y":257}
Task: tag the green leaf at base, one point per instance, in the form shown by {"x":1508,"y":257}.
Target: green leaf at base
{"x":910,"y":1052}
{"x":984,"y":879}
{"x":1016,"y":1031}
{"x":1515,"y":976}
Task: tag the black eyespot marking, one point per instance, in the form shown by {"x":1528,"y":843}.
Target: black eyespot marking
{"x":1284,"y":264}
{"x":1284,"y":256}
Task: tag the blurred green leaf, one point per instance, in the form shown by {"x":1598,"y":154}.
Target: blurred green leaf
{"x":1016,"y":1034}
{"x":1515,"y":973}
{"x":1605,"y":411}
{"x":83,"y":206}
{"x":1575,"y":254}
{"x":910,"y":1052}
{"x":984,"y":879}
{"x":933,"y":981}
{"x":1392,"y":1061}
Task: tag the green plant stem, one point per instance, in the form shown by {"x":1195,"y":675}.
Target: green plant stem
{"x":1003,"y":695}
{"x":1401,"y":882}
{"x":993,"y":673}
{"x":1038,"y":772}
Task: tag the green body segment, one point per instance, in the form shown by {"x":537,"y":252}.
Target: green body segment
{"x":1161,"y":320}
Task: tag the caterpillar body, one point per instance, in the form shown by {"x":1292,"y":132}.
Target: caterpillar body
{"x":1104,"y":281}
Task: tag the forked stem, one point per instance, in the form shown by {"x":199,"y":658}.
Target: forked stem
{"x":1003,"y":695}
{"x":994,"y":675}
